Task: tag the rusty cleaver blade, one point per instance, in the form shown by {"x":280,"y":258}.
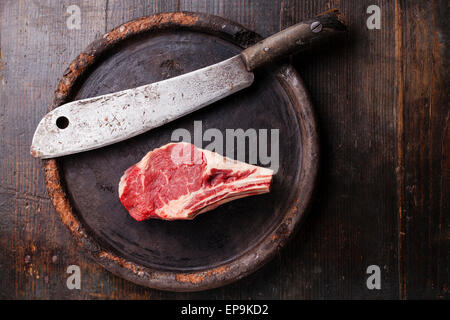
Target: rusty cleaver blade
{"x":92,"y":123}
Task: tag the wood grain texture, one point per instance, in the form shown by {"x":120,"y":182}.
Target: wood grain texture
{"x":423,"y":148}
{"x":354,"y":219}
{"x":382,"y":104}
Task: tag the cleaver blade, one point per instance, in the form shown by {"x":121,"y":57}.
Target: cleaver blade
{"x":96,"y":122}
{"x":92,"y":123}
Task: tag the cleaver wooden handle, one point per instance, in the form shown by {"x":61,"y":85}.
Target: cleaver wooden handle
{"x":293,"y":39}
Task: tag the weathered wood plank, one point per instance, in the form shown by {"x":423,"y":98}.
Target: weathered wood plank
{"x":423,"y":148}
{"x":352,"y":224}
{"x":36,"y":47}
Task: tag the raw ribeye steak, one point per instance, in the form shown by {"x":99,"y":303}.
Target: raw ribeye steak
{"x":180,"y":181}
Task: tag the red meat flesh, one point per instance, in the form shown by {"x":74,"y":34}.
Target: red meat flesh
{"x":180,"y":181}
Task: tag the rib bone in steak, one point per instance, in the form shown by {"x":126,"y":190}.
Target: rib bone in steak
{"x":180,"y":181}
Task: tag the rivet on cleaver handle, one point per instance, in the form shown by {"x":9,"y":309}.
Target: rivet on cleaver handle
{"x":92,"y":123}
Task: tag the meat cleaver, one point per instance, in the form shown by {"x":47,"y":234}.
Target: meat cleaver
{"x":92,"y":123}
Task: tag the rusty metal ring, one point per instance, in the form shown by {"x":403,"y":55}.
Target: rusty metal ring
{"x":249,"y":261}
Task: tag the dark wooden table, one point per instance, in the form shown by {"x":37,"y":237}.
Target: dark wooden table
{"x":382,"y":105}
